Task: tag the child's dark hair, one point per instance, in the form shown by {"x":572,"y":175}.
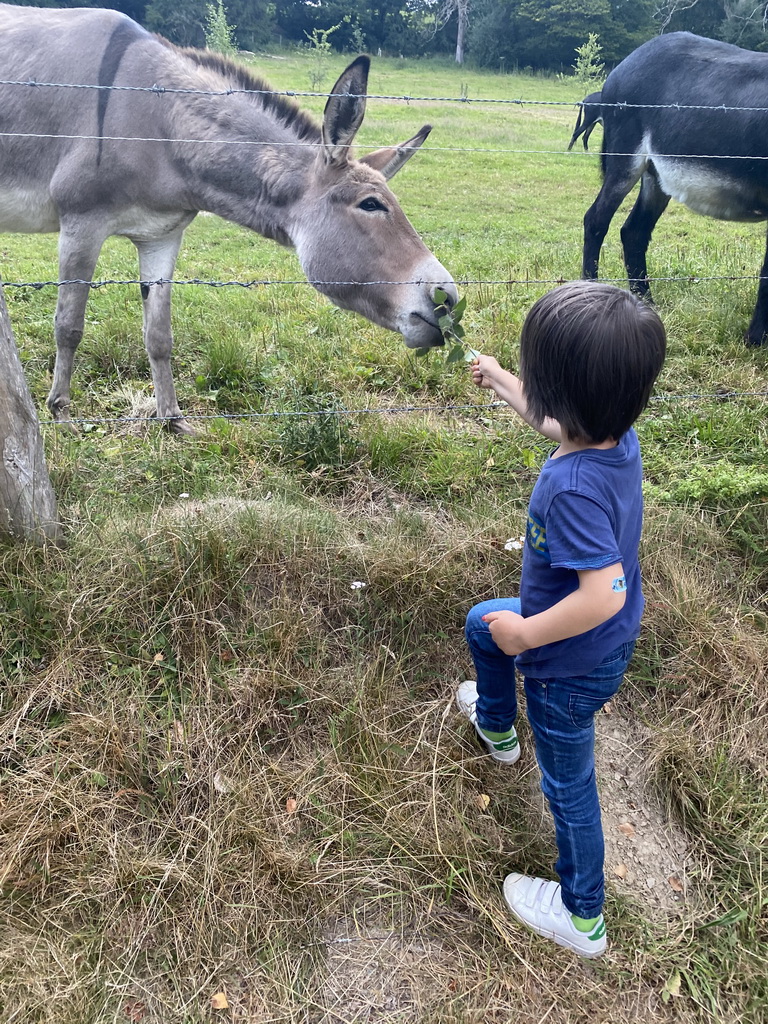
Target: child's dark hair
{"x":589,"y":356}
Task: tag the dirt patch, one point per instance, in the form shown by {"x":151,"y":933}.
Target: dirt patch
{"x":374,"y":974}
{"x":427,"y":973}
{"x":646,"y":856}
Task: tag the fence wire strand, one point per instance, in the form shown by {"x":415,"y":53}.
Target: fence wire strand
{"x":292,"y":282}
{"x":575,"y":154}
{"x":485,"y":407}
{"x":160,"y":90}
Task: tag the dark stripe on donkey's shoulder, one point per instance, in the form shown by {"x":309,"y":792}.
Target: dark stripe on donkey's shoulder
{"x":123,"y":36}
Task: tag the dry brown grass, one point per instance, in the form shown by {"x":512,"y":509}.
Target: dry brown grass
{"x":230,"y":772}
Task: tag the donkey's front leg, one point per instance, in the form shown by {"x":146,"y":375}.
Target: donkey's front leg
{"x":157,"y":260}
{"x":78,"y":252}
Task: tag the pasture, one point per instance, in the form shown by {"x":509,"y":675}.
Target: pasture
{"x":228,"y":768}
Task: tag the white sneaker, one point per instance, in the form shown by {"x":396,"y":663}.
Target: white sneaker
{"x":538,"y":904}
{"x":505,"y":751}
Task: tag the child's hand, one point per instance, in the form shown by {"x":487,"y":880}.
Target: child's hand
{"x":507,"y":631}
{"x":483,"y":370}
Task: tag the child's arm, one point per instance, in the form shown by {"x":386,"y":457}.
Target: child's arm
{"x":600,"y":596}
{"x":487,"y":373}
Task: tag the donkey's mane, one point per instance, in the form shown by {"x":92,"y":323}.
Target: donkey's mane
{"x":239,"y":77}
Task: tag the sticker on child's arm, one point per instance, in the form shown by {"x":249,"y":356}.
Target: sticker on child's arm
{"x":619,"y":584}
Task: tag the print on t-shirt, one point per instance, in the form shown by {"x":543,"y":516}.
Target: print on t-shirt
{"x":537,"y":536}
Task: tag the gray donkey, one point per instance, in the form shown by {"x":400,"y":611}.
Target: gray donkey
{"x":90,"y":163}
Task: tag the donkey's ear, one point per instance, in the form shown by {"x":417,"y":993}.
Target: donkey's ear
{"x":345,"y":110}
{"x":390,"y":160}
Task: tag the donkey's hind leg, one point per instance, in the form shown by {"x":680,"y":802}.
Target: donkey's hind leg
{"x":637,"y":230}
{"x":78,"y":252}
{"x":157,"y":260}
{"x":757,"y":333}
{"x":620,"y":175}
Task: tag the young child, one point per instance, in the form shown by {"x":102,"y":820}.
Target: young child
{"x":589,"y":356}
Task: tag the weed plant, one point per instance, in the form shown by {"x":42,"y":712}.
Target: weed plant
{"x":229,"y":761}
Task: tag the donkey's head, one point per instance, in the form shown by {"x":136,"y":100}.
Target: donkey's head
{"x":353,"y":239}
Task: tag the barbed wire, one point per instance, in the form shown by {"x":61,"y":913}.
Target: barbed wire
{"x":274,"y":414}
{"x":291,"y":282}
{"x":568,"y":154}
{"x":519,"y":102}
{"x":159,"y":90}
{"x":714,"y":396}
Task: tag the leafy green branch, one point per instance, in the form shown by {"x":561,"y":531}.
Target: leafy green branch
{"x":449,"y":320}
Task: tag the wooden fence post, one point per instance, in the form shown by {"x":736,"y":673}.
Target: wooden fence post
{"x":27,"y":502}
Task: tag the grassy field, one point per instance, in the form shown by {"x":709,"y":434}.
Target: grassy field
{"x":229,"y":770}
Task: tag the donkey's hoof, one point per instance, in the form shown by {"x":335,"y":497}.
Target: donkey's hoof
{"x":755,"y":340}
{"x":61,"y":418}
{"x":182,"y":427}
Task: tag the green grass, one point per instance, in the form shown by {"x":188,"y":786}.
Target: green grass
{"x":196,"y":657}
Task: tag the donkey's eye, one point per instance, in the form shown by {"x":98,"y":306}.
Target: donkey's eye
{"x":370,"y":205}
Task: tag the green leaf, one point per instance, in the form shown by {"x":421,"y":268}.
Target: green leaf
{"x":456,"y":350}
{"x":671,"y":988}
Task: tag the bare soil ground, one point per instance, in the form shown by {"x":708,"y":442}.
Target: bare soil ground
{"x":646,"y":856}
{"x":377,"y":974}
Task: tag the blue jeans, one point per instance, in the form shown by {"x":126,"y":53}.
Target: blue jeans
{"x":562,"y":717}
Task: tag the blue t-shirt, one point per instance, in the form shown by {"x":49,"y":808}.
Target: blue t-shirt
{"x":586,"y":512}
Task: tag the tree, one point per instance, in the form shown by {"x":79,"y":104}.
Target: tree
{"x":546,"y":33}
{"x":183,"y":23}
{"x":461,"y":9}
{"x":588,"y":68}
{"x":551,"y":30}
{"x":396,"y":26}
{"x":254,"y":22}
{"x":320,"y":61}
{"x":219,"y":34}
{"x":133,"y":8}
{"x":493,"y":33}
{"x":746,"y":24}
{"x":297,"y":19}
{"x":705,"y":17}
{"x":667,"y":9}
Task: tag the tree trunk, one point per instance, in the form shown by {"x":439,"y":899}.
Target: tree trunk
{"x":461,"y":13}
{"x":27,"y":502}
